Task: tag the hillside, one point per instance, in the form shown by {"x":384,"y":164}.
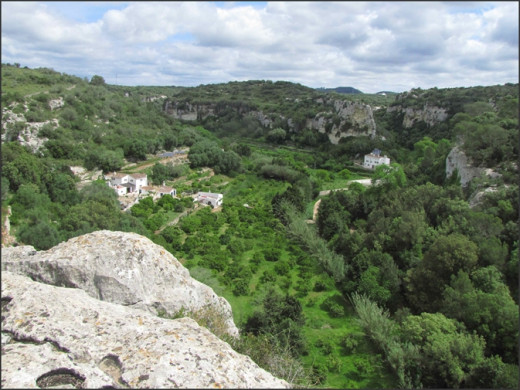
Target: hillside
{"x":390,"y":285}
{"x":350,"y":90}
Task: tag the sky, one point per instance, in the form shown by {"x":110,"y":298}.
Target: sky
{"x":371,"y":46}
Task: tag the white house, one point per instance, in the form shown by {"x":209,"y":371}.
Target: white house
{"x":374,"y":159}
{"x":138,"y":180}
{"x":124,"y":183}
{"x":209,"y":198}
{"x":159,"y":191}
{"x":165,"y":190}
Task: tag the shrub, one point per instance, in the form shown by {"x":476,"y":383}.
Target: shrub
{"x":349,"y":342}
{"x":334,"y":308}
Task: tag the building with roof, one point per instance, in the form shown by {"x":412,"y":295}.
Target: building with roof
{"x":124,"y":183}
{"x":372,"y":160}
{"x":209,"y":198}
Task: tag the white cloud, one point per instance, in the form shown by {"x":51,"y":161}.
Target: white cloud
{"x":368,"y":45}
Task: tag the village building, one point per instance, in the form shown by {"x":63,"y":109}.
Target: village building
{"x":209,"y":198}
{"x":158,"y":191}
{"x":138,"y":180}
{"x":124,"y":183}
{"x":374,"y":159}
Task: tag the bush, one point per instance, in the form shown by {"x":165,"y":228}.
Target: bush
{"x":320,"y":286}
{"x":334,"y":308}
{"x":272,"y":254}
{"x":349,"y":342}
{"x":282,"y":267}
{"x":268,"y":276}
{"x":240,"y":287}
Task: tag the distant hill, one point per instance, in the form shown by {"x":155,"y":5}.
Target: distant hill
{"x":346,"y":90}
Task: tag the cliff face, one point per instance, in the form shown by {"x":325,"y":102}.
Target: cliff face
{"x":458,"y":161}
{"x":355,"y":119}
{"x":342,"y":120}
{"x":431,"y":115}
{"x":84,"y":314}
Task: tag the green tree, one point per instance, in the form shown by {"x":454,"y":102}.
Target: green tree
{"x":485,"y":305}
{"x":449,"y":355}
{"x":280,"y":316}
{"x":97,"y":80}
{"x":276,"y":135}
{"x":389,"y":176}
{"x":42,"y":235}
{"x":446,"y":256}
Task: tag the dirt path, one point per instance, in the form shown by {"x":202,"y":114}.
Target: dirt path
{"x":365,"y":182}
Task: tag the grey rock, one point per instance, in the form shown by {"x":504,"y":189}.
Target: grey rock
{"x":122,"y":268}
{"x":458,"y":161}
{"x":431,"y":115}
{"x":62,"y":337}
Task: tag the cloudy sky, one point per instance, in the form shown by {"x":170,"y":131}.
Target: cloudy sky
{"x":372,"y":46}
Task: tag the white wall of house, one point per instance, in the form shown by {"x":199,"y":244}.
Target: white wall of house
{"x":119,"y":190}
{"x":210,"y":198}
{"x":138,"y":181}
{"x":372,"y":161}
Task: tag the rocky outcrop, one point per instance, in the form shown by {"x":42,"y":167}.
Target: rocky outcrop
{"x":7,"y":238}
{"x":122,"y":268}
{"x":344,"y":119}
{"x":431,"y":115}
{"x":63,"y":338}
{"x":28,"y":135}
{"x":457,"y":161}
{"x":354,"y":119}
{"x":187,"y":111}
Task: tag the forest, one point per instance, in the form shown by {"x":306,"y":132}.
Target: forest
{"x":410,"y":281}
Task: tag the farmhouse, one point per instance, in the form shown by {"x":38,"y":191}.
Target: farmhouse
{"x":124,"y":183}
{"x":209,"y":198}
{"x":374,"y":159}
{"x":158,"y":191}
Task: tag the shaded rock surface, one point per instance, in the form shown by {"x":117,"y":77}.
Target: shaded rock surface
{"x":122,"y":268}
{"x":63,"y":338}
{"x":431,"y":115}
{"x":457,"y":161}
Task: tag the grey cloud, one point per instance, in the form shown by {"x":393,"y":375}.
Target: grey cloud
{"x":363,"y":44}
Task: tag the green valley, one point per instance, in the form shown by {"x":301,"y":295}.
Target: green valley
{"x":408,"y":279}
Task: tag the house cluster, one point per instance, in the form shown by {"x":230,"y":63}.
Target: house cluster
{"x":374,"y":159}
{"x":126,"y":183}
{"x":137,"y":183}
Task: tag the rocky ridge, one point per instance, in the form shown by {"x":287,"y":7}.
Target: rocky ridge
{"x":123,"y":268}
{"x":90,"y":313}
{"x":63,"y":338}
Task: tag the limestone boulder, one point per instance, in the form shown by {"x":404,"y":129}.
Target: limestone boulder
{"x":63,"y":338}
{"x":123,"y":268}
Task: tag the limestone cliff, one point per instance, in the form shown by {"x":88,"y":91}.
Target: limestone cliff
{"x":457,"y":161}
{"x":338,"y":119}
{"x":355,"y":119}
{"x":431,"y":115}
{"x":63,"y":338}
